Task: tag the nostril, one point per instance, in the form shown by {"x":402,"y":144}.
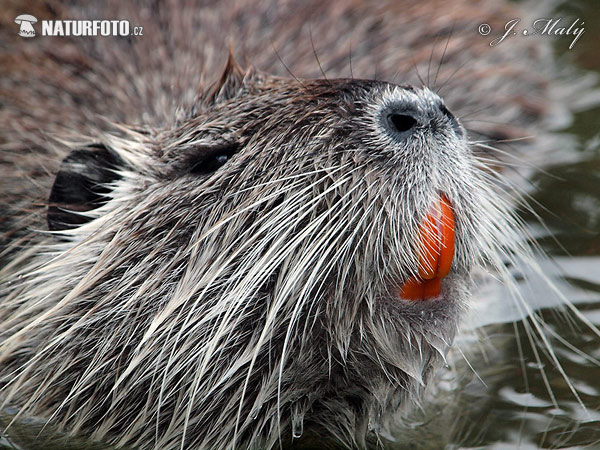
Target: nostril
{"x":446,"y":112}
{"x":401,"y":122}
{"x":455,"y":125}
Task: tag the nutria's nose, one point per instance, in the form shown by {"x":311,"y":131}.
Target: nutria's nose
{"x":399,"y":120}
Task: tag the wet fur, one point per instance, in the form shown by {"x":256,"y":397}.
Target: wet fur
{"x":235,"y":308}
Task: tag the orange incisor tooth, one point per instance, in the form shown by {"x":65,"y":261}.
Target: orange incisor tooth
{"x":436,"y":253}
{"x":432,"y":288}
{"x":447,"y":238}
{"x":412,"y":289}
{"x":430,"y":247}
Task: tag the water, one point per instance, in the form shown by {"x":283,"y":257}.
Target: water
{"x":523,"y":399}
{"x":525,"y":405}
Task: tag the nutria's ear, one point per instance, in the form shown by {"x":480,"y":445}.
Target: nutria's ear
{"x":81,"y":185}
{"x":229,"y":83}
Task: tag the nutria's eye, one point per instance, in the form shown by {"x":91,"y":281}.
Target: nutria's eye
{"x":208,"y":159}
{"x":401,"y":122}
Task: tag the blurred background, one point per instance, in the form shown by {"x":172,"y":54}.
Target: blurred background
{"x":531,"y":405}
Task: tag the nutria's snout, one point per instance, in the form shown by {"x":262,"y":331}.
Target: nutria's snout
{"x":422,"y":116}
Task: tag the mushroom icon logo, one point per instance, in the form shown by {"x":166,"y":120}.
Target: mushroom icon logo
{"x":26,"y":21}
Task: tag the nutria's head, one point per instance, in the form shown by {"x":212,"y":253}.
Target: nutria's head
{"x":262,"y":268}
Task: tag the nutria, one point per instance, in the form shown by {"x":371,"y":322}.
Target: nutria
{"x":249,"y":226}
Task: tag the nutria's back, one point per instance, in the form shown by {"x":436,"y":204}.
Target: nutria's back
{"x":240,"y":255}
